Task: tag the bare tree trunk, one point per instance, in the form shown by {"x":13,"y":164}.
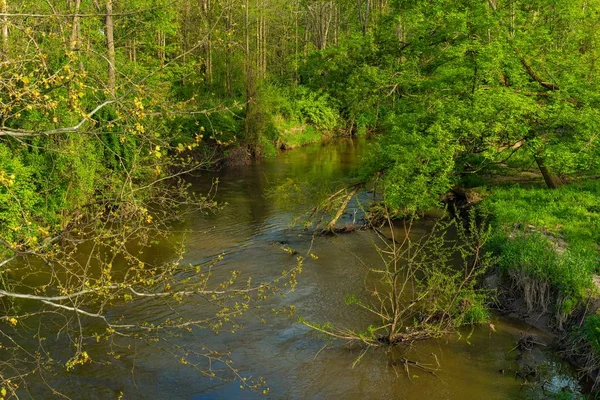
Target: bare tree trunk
{"x":161,"y":42}
{"x":552,"y":181}
{"x":257,"y":42}
{"x":184,"y":29}
{"x":321,"y":15}
{"x":228,"y":27}
{"x":364,"y":11}
{"x":4,"y":9}
{"x":206,"y":7}
{"x":260,"y":41}
{"x":306,"y":29}
{"x":133,"y":50}
{"x":249,"y":80}
{"x":336,"y":23}
{"x":75,"y":42}
{"x":512,"y":21}
{"x":296,"y":38}
{"x":110,"y":47}
{"x":209,"y":61}
{"x":264,"y":43}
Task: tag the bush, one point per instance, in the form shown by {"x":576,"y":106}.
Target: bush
{"x":316,"y":109}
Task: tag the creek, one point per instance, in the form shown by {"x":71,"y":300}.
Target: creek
{"x":296,"y":362}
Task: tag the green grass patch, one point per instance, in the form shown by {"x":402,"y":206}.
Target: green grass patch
{"x":293,"y":134}
{"x":551,"y":236}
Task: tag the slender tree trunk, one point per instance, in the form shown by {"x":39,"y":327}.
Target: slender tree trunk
{"x":4,"y":48}
{"x":228,"y":28}
{"x":512,"y":21}
{"x":296,"y":38}
{"x":336,"y":23}
{"x":258,"y":58}
{"x":209,"y":61}
{"x":184,"y":29}
{"x":306,"y":29}
{"x":249,"y":79}
{"x":264,"y":43}
{"x":133,"y":50}
{"x":161,"y":41}
{"x":208,"y":56}
{"x":75,"y":42}
{"x":552,"y":181}
{"x":110,"y":47}
{"x":364,"y":11}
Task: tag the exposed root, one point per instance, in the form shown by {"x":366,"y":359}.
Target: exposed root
{"x":536,"y":292}
{"x":581,"y":353}
{"x":238,"y":157}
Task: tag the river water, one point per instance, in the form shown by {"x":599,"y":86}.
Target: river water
{"x":296,"y":362}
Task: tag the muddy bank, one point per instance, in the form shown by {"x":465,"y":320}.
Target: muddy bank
{"x":563,"y":334}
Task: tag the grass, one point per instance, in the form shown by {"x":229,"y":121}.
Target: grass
{"x":292,"y":134}
{"x":550,"y":236}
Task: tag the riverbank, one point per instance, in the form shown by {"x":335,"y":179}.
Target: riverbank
{"x":546,"y":246}
{"x":279,"y":117}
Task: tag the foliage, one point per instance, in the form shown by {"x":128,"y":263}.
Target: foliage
{"x":462,"y":88}
{"x":96,"y":135}
{"x":91,"y":178}
{"x":416,"y":167}
{"x":315,"y":108}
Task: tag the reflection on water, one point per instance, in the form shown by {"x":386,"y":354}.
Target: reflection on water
{"x":478,"y":364}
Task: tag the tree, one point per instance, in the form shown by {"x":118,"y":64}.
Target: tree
{"x":475,"y":83}
{"x":4,"y":10}
{"x":110,"y":47}
{"x":91,"y":167}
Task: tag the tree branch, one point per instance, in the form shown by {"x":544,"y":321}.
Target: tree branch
{"x":25,"y":133}
{"x":533,"y":75}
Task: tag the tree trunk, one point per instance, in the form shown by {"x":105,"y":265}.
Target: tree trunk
{"x":263,"y":34}
{"x":75,"y":29}
{"x":336,"y":23}
{"x":133,"y":50}
{"x":306,"y":30}
{"x":206,"y":7}
{"x":229,"y":29}
{"x":552,"y":181}
{"x":249,"y":80}
{"x":258,"y":58}
{"x":4,"y":9}
{"x":110,"y":47}
{"x":296,"y":48}
{"x":364,"y":11}
{"x":161,"y":41}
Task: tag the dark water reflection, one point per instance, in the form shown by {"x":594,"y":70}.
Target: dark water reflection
{"x":289,"y":356}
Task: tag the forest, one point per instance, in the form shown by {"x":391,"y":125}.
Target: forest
{"x":116,"y":118}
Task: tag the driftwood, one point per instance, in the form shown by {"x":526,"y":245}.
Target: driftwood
{"x":340,"y":211}
{"x":526,"y":342}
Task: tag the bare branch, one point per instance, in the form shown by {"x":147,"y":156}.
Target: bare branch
{"x":72,"y":129}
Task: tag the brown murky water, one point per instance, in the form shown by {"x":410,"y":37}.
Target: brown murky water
{"x":296,"y":362}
